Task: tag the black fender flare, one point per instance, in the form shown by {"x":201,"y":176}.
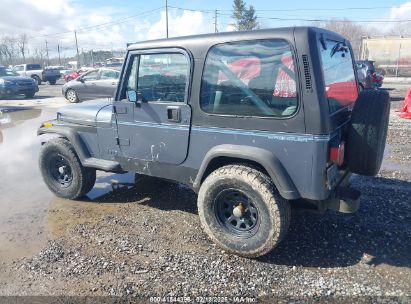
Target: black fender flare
{"x":265,"y":158}
{"x":81,"y":149}
{"x":72,"y":136}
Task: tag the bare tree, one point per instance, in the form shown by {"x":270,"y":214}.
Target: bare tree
{"x":8,"y":49}
{"x":401,"y":29}
{"x":21,"y":44}
{"x":39,"y":54}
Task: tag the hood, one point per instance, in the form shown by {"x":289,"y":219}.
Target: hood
{"x":83,"y":113}
{"x":16,"y":78}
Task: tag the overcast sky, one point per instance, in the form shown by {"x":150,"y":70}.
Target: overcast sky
{"x":130,"y":21}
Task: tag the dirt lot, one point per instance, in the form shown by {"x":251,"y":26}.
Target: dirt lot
{"x":144,"y":239}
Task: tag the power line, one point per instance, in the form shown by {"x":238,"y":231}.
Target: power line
{"x":300,"y":19}
{"x":306,"y":9}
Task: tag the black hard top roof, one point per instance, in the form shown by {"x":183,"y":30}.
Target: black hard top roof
{"x":206,"y":40}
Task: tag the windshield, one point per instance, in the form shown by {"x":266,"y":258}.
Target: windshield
{"x":8,"y":72}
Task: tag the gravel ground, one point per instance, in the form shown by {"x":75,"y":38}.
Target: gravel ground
{"x":145,"y":240}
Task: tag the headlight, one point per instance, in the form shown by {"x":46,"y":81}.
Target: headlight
{"x":3,"y":82}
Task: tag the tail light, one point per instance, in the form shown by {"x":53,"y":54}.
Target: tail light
{"x":337,"y":154}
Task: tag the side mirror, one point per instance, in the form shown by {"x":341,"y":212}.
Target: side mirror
{"x":134,"y":96}
{"x":80,"y":79}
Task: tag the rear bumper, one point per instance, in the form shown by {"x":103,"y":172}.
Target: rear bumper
{"x":51,"y":78}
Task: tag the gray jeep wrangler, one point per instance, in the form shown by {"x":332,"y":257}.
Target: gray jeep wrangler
{"x":251,"y":121}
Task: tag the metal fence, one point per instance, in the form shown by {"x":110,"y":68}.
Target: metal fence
{"x":392,"y":54}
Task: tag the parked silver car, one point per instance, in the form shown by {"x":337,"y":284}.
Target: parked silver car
{"x":99,"y":83}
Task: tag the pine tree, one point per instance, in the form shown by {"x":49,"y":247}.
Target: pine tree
{"x":245,"y":18}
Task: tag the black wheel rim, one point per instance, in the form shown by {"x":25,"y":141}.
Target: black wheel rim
{"x":60,"y":171}
{"x":237,"y":213}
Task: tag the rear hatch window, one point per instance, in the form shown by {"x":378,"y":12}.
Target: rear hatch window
{"x":32,"y":67}
{"x":340,"y":83}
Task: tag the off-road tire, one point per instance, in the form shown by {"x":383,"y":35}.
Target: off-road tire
{"x":273,"y":210}
{"x":367,"y":132}
{"x":83,"y":179}
{"x":72,"y":96}
{"x":36,"y":79}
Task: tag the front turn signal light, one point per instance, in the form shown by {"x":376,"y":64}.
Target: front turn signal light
{"x":47,"y":125}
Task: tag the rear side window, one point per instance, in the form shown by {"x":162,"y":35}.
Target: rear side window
{"x":250,"y":78}
{"x":340,"y":84}
{"x":32,"y":67}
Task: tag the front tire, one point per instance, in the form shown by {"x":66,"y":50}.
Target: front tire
{"x":71,"y":96}
{"x":62,"y":170}
{"x":53,"y":82}
{"x":29,"y":95}
{"x":241,"y":211}
{"x":36,"y":79}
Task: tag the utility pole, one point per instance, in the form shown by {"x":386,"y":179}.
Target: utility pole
{"x":167,"y":17}
{"x":215,"y":22}
{"x":47,"y":53}
{"x":58,"y":49}
{"x":84,"y":57}
{"x":78,"y":55}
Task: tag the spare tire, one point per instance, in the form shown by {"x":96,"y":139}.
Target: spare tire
{"x":368,"y":132}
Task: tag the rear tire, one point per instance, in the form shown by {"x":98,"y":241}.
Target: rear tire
{"x":261,"y":222}
{"x":367,"y":132}
{"x":62,"y":170}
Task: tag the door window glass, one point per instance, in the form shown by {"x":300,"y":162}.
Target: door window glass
{"x":163,"y":77}
{"x":109,"y":74}
{"x":91,"y":76}
{"x":250,"y":78}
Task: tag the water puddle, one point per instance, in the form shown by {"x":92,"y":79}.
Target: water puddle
{"x":26,"y":220}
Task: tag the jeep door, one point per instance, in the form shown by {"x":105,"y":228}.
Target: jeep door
{"x":153,"y":117}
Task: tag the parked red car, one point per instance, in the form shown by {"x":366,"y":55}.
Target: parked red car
{"x":71,"y":76}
